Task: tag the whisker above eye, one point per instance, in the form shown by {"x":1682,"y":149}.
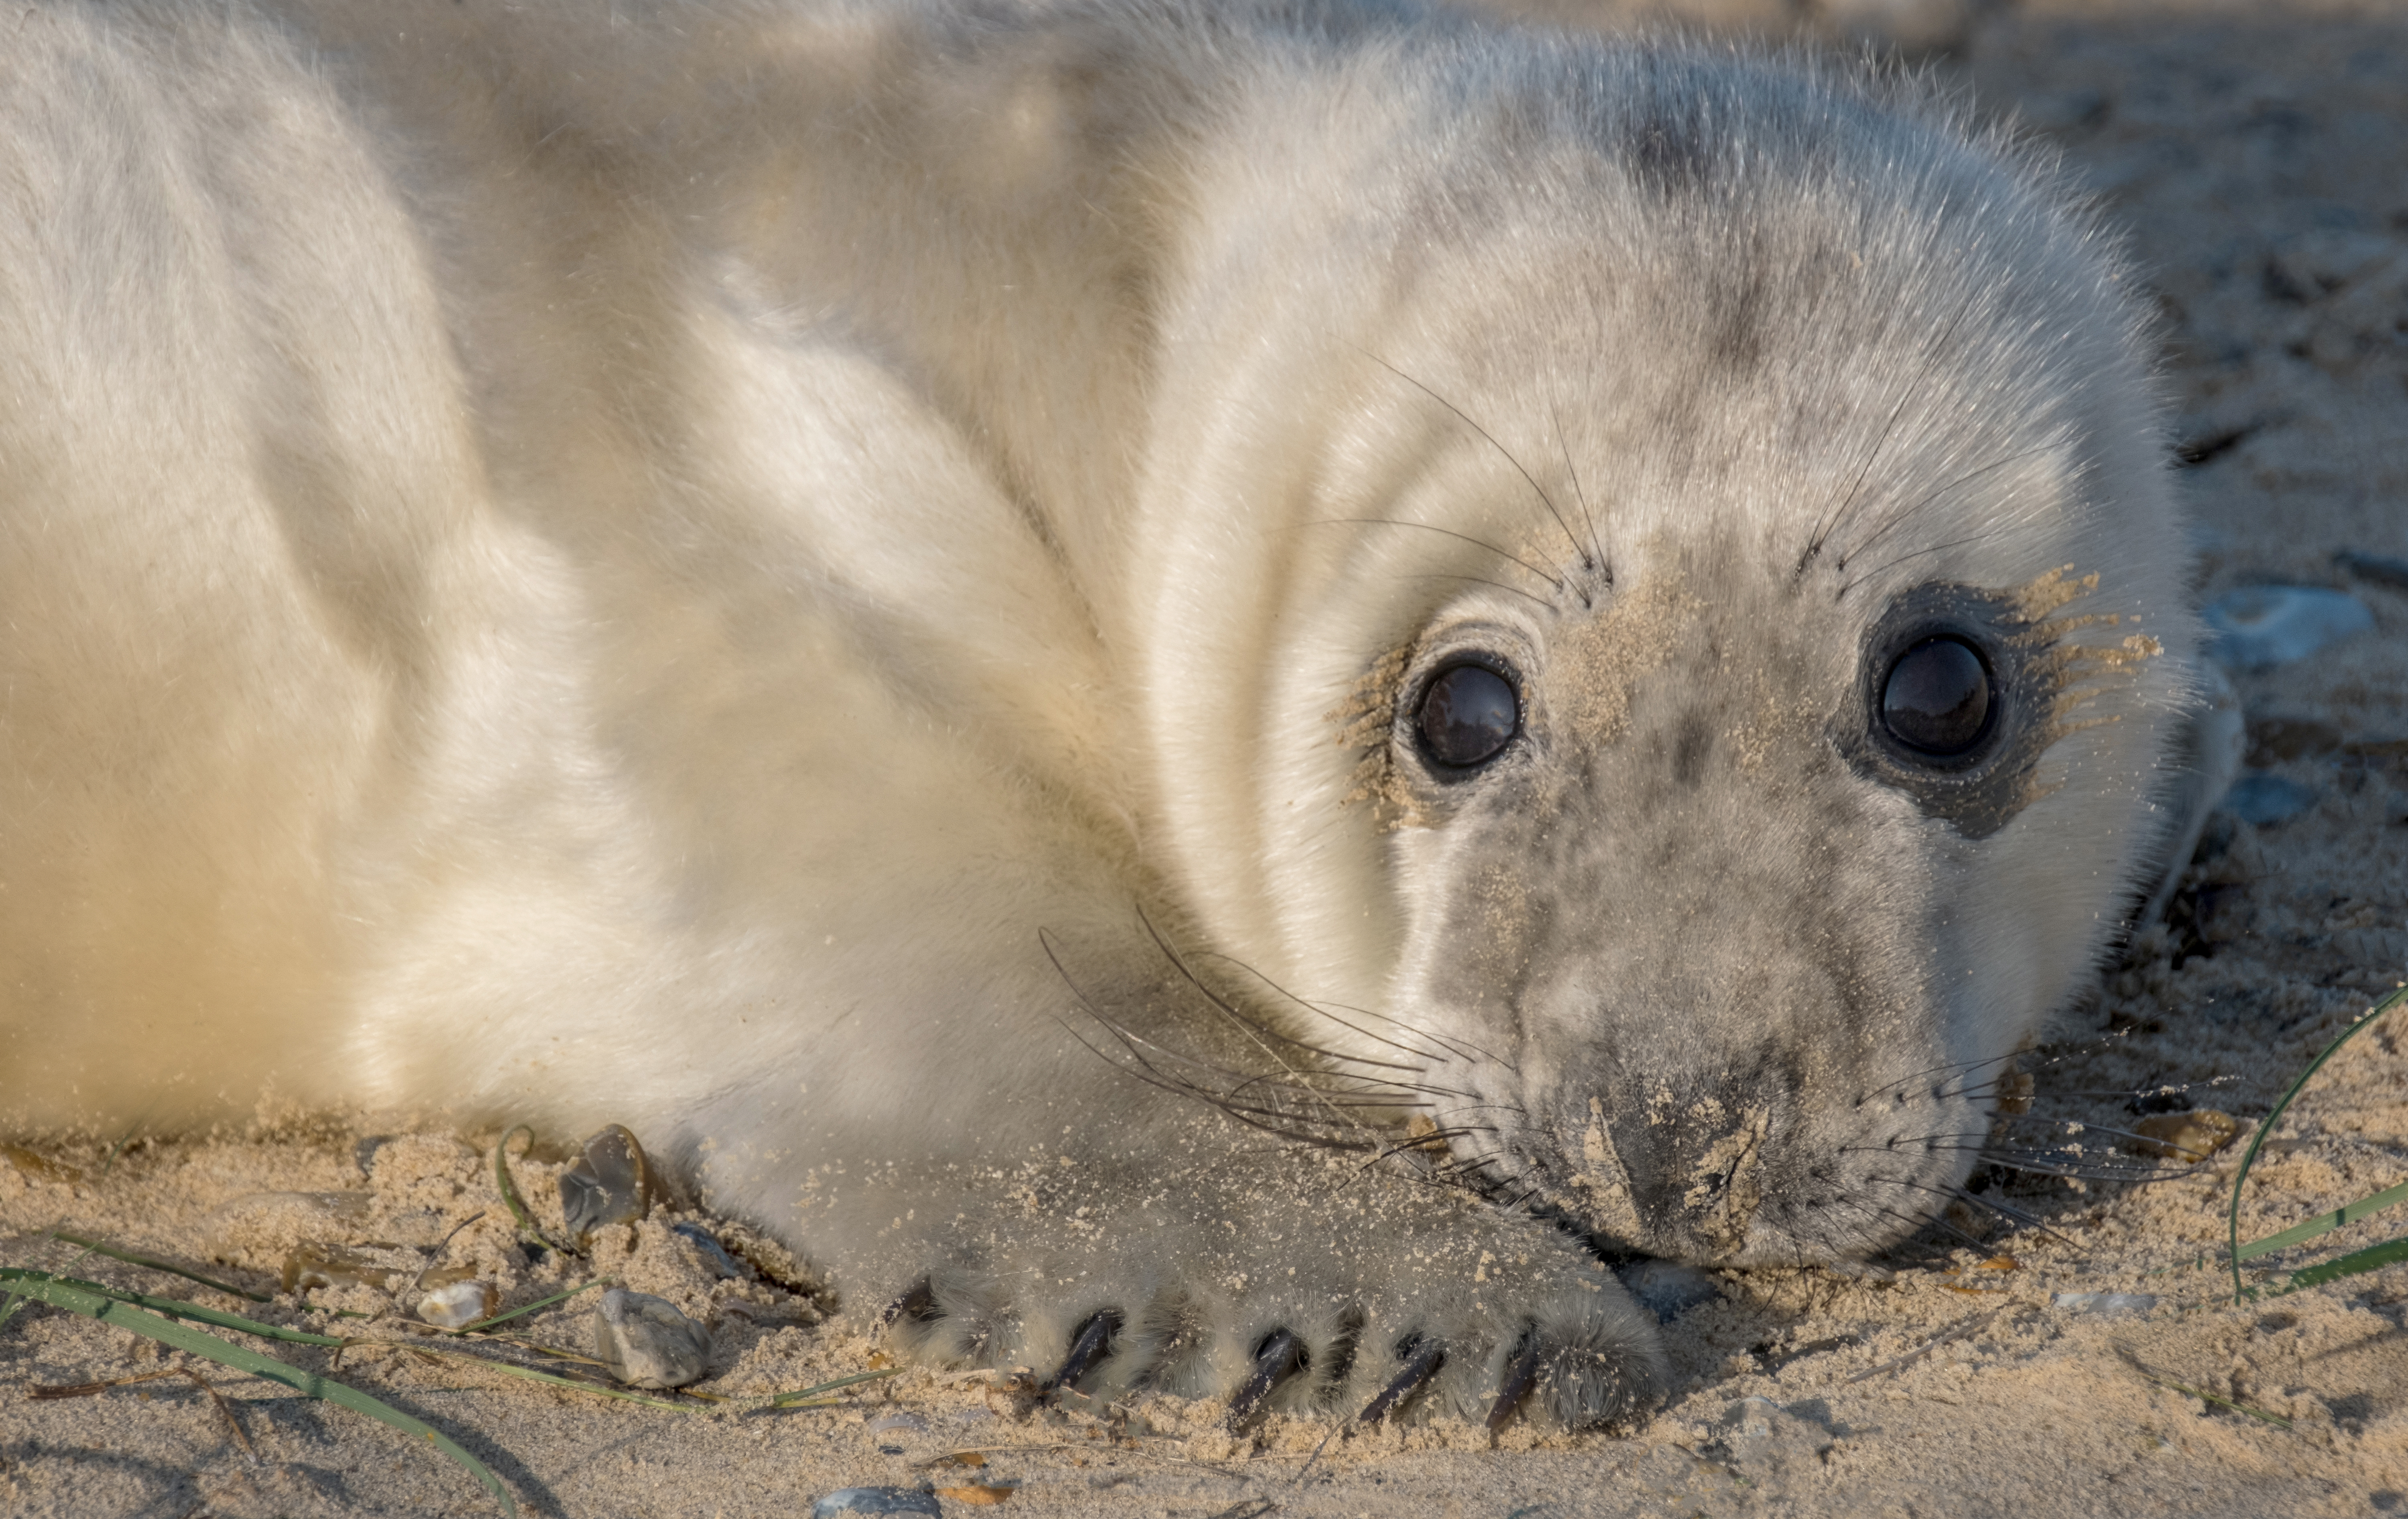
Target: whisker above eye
{"x":1447,"y":532}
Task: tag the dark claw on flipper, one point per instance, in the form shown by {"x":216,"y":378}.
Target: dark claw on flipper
{"x":1422,"y":1357}
{"x":918,"y":1305}
{"x":1521,"y":1375}
{"x":1281,"y":1355}
{"x":1093,"y":1343}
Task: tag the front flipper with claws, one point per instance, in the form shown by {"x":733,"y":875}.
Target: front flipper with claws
{"x":1276,"y":1279}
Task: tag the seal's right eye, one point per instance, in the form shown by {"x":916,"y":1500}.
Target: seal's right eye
{"x":1469,"y":714}
{"x":1936,"y":698}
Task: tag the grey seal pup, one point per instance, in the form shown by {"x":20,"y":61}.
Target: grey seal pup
{"x":1183,"y":683}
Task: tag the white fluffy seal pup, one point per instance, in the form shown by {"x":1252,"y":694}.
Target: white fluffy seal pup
{"x":1021,"y":631}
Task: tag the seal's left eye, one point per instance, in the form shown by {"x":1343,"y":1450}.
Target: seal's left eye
{"x":1469,"y":714}
{"x":1937,"y":697}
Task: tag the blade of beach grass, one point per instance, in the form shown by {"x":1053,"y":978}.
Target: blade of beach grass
{"x":782,"y":1400}
{"x":703,"y":1402}
{"x":13,"y":1301}
{"x":2371,"y":1204}
{"x":175,"y":1308}
{"x":532,"y":1374}
{"x":483,"y":1325}
{"x":135,"y":1258}
{"x":2134,"y":1361}
{"x":2372,"y":1259}
{"x":2249,"y":1157}
{"x":508,"y":1188}
{"x":134,"y":1320}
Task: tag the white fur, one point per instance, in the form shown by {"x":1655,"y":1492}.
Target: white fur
{"x":568,"y":567}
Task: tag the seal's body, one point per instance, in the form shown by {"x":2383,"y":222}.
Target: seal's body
{"x":891,"y":597}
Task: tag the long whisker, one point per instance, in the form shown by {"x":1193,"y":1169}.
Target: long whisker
{"x":1975,"y":1199}
{"x":1902,"y":515}
{"x":1937,"y":547}
{"x":1481,"y":580}
{"x":1848,"y":500}
{"x":1880,"y":441}
{"x":1464,"y":417}
{"x":1252,"y":1029}
{"x":1604,"y":566}
{"x":1930,"y":1070}
{"x":1321,"y":1010}
{"x":1448,"y":532}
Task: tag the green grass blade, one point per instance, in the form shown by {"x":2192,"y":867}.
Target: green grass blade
{"x":167,"y":1331}
{"x":2324,"y":1223}
{"x":509,"y":1191}
{"x":483,"y":1325}
{"x":532,"y":1374}
{"x":2249,"y":1157}
{"x":2372,"y":1259}
{"x":135,"y":1258}
{"x":174,"y":1308}
{"x":779,"y":1400}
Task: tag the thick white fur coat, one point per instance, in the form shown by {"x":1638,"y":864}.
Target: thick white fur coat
{"x":729,"y":567}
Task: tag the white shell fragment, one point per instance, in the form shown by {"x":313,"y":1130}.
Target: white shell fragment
{"x":2260,"y":626}
{"x":460,"y":1304}
{"x":610,"y":1182}
{"x":646,"y":1342}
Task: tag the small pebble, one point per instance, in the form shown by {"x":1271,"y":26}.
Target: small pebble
{"x":2190,"y":1137}
{"x":2265,"y":799}
{"x":876,"y":1500}
{"x":1666,"y":1288}
{"x":2106,"y":1305}
{"x":714,"y":1254}
{"x":610,"y":1182}
{"x":459,"y":1304}
{"x":1762,"y":1436}
{"x":646,"y":1342}
{"x":339,"y":1266}
{"x":2262,"y":625}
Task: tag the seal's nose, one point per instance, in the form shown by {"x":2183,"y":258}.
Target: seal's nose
{"x":1694,"y":1169}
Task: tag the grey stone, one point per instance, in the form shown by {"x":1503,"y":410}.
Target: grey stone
{"x":610,"y":1182}
{"x":876,"y":1500}
{"x":646,"y":1342}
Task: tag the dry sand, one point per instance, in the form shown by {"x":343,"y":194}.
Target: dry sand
{"x":2260,"y":160}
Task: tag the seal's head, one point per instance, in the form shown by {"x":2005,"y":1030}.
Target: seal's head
{"x":1708,"y":667}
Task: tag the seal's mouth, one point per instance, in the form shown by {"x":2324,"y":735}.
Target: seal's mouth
{"x":1741,"y":1174}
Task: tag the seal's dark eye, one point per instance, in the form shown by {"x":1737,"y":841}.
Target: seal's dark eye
{"x":1937,"y":697}
{"x":1469,"y":714}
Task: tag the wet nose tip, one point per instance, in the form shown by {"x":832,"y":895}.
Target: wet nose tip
{"x":1697,"y":1185}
